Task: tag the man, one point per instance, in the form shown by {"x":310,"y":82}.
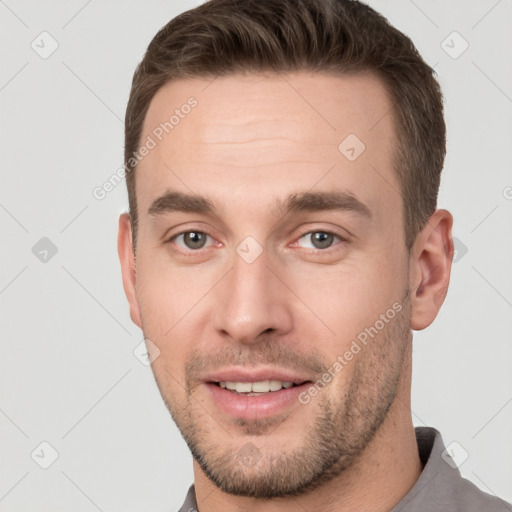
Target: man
{"x":283,"y":161}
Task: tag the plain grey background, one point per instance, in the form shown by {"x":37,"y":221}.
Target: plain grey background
{"x":69,"y":375}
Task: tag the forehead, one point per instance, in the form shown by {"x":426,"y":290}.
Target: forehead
{"x":259,"y":135}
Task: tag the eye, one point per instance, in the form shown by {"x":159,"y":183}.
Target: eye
{"x":190,"y":240}
{"x":319,"y":239}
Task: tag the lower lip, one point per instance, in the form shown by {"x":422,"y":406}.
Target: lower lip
{"x":255,"y":407}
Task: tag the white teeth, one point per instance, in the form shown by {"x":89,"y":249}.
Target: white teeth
{"x":261,"y":387}
{"x":256,"y":387}
{"x":243,"y":387}
{"x":275,"y":385}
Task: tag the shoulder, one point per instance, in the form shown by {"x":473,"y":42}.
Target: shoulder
{"x":469,"y":498}
{"x":441,"y":487}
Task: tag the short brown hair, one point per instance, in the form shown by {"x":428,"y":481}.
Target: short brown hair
{"x":222,"y":37}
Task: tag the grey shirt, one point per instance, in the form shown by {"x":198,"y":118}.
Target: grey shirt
{"x":440,"y":487}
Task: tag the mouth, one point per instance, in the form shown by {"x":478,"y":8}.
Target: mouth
{"x":255,"y":400}
{"x":257,"y":388}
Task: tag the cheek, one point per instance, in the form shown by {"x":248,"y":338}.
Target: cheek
{"x":165,"y":297}
{"x":167,"y":293}
{"x":341,"y":301}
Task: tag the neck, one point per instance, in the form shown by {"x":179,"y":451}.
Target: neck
{"x":385,"y":472}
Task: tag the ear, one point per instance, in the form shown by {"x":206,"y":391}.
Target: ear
{"x":430,"y":266}
{"x":127,"y":259}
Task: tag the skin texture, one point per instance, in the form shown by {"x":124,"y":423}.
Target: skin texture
{"x":251,"y":141}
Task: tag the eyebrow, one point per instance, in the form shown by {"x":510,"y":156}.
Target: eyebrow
{"x":173,"y":201}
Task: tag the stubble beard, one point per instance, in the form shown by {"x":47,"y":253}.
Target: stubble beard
{"x":341,"y":429}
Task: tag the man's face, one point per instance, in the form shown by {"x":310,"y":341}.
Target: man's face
{"x":251,"y":292}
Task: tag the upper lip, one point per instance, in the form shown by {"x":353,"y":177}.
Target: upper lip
{"x":255,"y":375}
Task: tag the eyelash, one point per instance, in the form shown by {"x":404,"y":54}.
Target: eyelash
{"x":192,"y":252}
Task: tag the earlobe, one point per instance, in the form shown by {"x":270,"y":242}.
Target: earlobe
{"x":127,"y":260}
{"x":430,"y":268}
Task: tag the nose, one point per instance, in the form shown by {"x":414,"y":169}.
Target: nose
{"x":252,"y":300}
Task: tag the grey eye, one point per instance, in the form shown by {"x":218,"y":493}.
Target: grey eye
{"x":321,"y":240}
{"x":194,"y":239}
{"x":318,"y":239}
